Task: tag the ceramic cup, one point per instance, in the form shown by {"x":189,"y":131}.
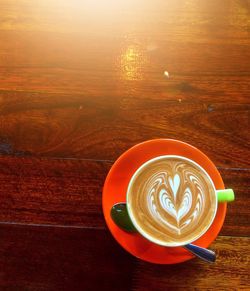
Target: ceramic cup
{"x":218,"y":196}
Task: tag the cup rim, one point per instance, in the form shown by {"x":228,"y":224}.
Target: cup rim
{"x":139,"y":229}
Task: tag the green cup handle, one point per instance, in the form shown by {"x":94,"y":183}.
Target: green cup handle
{"x":225,"y":195}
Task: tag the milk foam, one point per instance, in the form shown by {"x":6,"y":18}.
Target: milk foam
{"x":172,"y":200}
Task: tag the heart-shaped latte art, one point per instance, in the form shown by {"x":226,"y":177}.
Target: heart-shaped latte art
{"x":174,"y":201}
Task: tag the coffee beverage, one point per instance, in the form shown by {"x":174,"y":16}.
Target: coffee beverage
{"x":171,"y":200}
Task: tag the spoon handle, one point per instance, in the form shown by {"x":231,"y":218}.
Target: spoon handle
{"x":204,"y":254}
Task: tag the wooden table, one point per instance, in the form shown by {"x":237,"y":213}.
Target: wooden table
{"x":81,"y":82}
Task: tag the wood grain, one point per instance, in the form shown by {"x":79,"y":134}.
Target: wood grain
{"x":51,"y":258}
{"x":42,"y":191}
{"x":69,"y":192}
{"x":42,"y":258}
{"x":106,"y":91}
{"x":80,"y":83}
{"x":238,"y":216}
{"x":102,"y":128}
{"x":230,"y":271}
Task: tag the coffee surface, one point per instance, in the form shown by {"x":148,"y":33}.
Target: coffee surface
{"x":171,"y":200}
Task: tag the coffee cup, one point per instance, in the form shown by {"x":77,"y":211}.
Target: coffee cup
{"x":172,"y":201}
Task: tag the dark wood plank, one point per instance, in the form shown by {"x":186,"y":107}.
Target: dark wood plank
{"x":68,"y":192}
{"x":102,"y":128}
{"x":53,"y":258}
{"x":238,"y":212}
{"x":42,"y":258}
{"x":64,"y":192}
{"x":230,"y":272}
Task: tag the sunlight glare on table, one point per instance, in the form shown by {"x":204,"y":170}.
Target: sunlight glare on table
{"x":132,"y":61}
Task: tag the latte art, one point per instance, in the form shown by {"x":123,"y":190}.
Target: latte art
{"x":162,"y":199}
{"x":171,"y":200}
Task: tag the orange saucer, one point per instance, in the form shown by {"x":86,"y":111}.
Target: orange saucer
{"x":115,"y":188}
